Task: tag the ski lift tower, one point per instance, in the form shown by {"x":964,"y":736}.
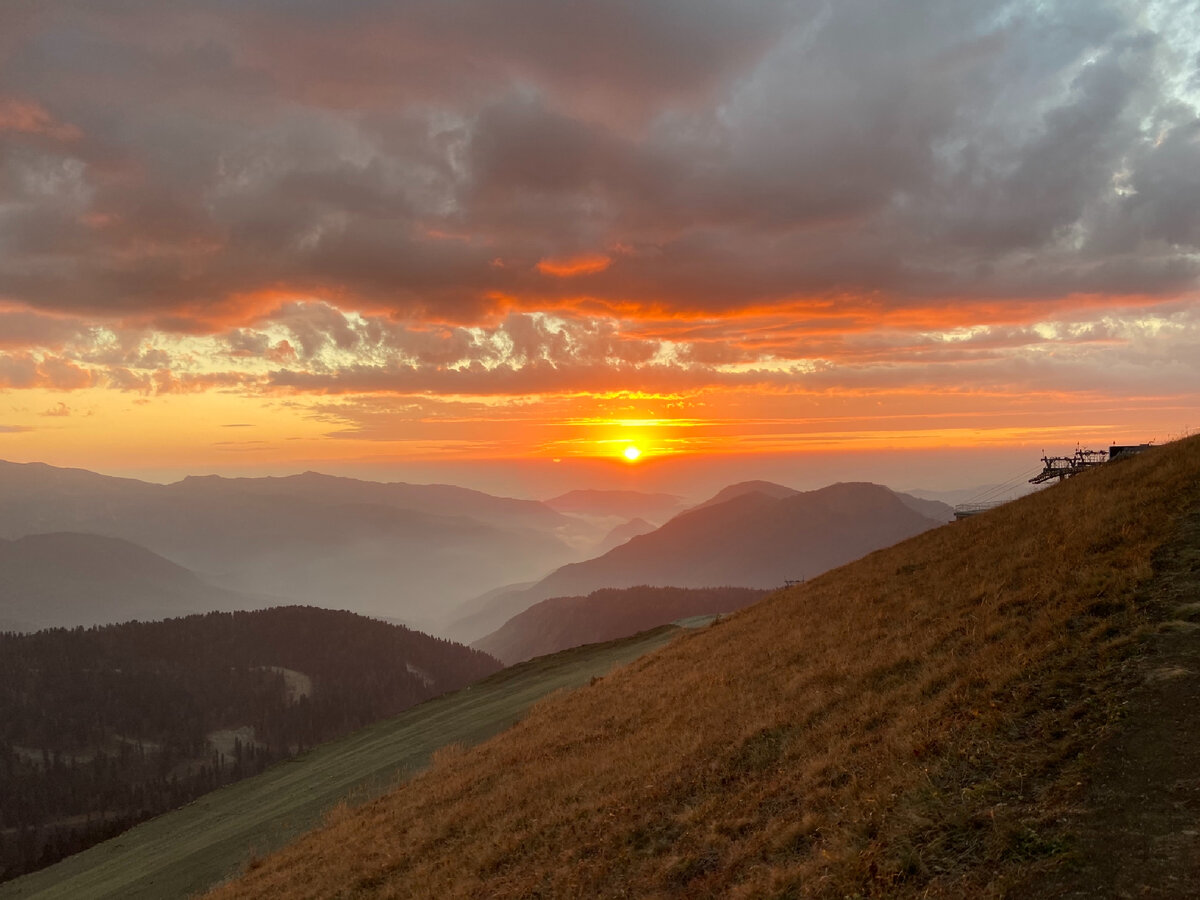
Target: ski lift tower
{"x":1061,"y":467}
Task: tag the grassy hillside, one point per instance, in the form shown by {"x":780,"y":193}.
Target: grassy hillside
{"x":191,"y":848}
{"x":914,"y":724}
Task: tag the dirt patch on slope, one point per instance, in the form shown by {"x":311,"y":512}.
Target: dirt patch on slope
{"x":1137,"y":831}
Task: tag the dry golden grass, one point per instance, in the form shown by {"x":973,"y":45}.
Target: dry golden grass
{"x":911,"y":724}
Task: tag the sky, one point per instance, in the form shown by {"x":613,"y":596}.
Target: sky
{"x":500,"y":242}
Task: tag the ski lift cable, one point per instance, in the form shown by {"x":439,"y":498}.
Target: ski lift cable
{"x":996,"y":489}
{"x":988,"y":494}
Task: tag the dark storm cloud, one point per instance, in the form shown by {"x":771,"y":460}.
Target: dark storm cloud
{"x":189,"y":164}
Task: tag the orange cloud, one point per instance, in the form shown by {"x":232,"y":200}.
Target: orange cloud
{"x":28,"y":117}
{"x":572,"y":266}
{"x":26,"y":370}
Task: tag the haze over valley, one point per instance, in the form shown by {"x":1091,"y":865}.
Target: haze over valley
{"x":408,"y":552}
{"x":436,"y":557}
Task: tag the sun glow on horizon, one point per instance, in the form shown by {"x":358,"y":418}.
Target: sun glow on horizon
{"x":632,"y":453}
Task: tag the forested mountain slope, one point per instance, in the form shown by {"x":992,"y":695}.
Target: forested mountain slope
{"x":198,"y":845}
{"x":104,"y":727}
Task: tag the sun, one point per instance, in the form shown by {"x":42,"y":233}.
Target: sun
{"x":632,"y":453}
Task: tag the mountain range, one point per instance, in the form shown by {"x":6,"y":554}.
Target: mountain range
{"x":407,"y":552}
{"x":754,"y":534}
{"x":435,"y":557}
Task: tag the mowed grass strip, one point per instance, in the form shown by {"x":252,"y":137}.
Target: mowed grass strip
{"x":191,"y":848}
{"x":912,"y":724}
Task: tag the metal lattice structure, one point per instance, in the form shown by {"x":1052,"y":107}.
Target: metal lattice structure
{"x":1061,"y":467}
{"x":966,"y":510}
{"x":1053,"y":467}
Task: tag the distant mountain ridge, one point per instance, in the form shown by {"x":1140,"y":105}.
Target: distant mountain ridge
{"x":410,"y":552}
{"x":68,"y":579}
{"x":756,"y":534}
{"x":733,"y":491}
{"x":624,"y":532}
{"x":437,"y":499}
{"x":929,"y":507}
{"x":419,"y":553}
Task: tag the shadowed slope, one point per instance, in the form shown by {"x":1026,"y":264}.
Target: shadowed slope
{"x":605,"y":615}
{"x":910,"y":725}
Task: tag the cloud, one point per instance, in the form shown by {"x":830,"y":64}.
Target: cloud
{"x":742,"y":155}
{"x":22,"y":370}
{"x":542,"y":198}
{"x":587,"y":264}
{"x":808,"y":347}
{"x":25,"y":329}
{"x":29,"y":117}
